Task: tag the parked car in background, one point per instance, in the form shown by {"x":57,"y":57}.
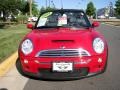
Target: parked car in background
{"x":112,"y":17}
{"x":32,"y":19}
{"x":62,"y":45}
{"x":101,"y":17}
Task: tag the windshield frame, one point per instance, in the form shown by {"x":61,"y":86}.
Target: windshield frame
{"x":62,"y":11}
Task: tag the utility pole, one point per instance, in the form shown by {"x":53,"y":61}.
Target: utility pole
{"x":49,"y":3}
{"x":96,"y":14}
{"x":30,"y":7}
{"x":61,"y":4}
{"x":46,"y":3}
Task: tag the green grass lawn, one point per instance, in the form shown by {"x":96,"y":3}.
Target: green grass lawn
{"x":10,"y":39}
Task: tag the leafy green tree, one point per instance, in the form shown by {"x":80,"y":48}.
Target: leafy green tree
{"x":13,"y":7}
{"x":9,"y":7}
{"x":23,"y":6}
{"x":43,"y":9}
{"x":50,"y":8}
{"x":90,"y":9}
{"x":35,"y":10}
{"x":117,"y":9}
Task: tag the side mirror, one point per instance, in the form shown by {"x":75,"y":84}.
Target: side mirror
{"x":30,"y":26}
{"x":95,"y":24}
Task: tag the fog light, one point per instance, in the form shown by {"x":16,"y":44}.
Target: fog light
{"x":36,"y":61}
{"x":25,"y":61}
{"x":100,"y":60}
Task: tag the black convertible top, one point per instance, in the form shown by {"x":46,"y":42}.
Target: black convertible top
{"x":65,"y":10}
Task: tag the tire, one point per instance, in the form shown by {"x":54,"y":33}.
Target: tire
{"x":19,"y":67}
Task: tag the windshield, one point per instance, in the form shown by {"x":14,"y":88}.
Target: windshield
{"x":63,"y":19}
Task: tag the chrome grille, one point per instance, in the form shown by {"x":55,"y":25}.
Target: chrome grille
{"x":63,"y":53}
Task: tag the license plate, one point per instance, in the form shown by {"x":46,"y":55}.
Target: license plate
{"x":62,"y":66}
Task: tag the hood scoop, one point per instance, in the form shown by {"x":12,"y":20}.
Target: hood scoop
{"x":63,"y":41}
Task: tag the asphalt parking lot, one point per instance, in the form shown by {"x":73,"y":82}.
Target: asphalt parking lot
{"x":110,"y":80}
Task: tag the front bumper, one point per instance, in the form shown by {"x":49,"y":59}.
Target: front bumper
{"x":42,"y":70}
{"x":46,"y":74}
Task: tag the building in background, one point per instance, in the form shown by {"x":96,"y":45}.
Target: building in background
{"x":107,"y":12}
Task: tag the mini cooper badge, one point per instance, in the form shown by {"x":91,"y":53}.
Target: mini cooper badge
{"x":62,"y":47}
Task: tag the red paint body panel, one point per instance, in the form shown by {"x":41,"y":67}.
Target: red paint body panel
{"x":82,"y":39}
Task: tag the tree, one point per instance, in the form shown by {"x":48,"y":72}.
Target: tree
{"x":90,"y":9}
{"x":26,"y":8}
{"x":13,"y":7}
{"x":50,"y":8}
{"x":8,"y":7}
{"x":43,"y":9}
{"x":117,"y":9}
{"x":35,"y":10}
{"x":23,"y":6}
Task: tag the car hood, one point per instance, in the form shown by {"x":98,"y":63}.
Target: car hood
{"x":59,"y":38}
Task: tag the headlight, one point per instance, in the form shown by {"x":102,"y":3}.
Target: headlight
{"x":27,"y":46}
{"x":98,"y":45}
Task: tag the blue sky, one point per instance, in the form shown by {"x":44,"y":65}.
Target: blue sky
{"x":76,"y":4}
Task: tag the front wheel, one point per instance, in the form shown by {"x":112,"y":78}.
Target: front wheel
{"x":19,"y":67}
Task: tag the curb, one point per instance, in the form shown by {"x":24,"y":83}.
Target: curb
{"x":8,"y":64}
{"x":110,"y":24}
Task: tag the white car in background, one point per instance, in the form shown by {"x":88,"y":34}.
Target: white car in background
{"x":32,"y":19}
{"x":101,"y":17}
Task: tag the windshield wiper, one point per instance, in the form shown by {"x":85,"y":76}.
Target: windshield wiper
{"x":43,"y":27}
{"x":79,"y":26}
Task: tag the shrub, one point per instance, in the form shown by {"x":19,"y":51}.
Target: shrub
{"x":22,"y":19}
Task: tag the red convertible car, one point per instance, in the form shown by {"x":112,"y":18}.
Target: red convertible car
{"x":63,"y":44}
